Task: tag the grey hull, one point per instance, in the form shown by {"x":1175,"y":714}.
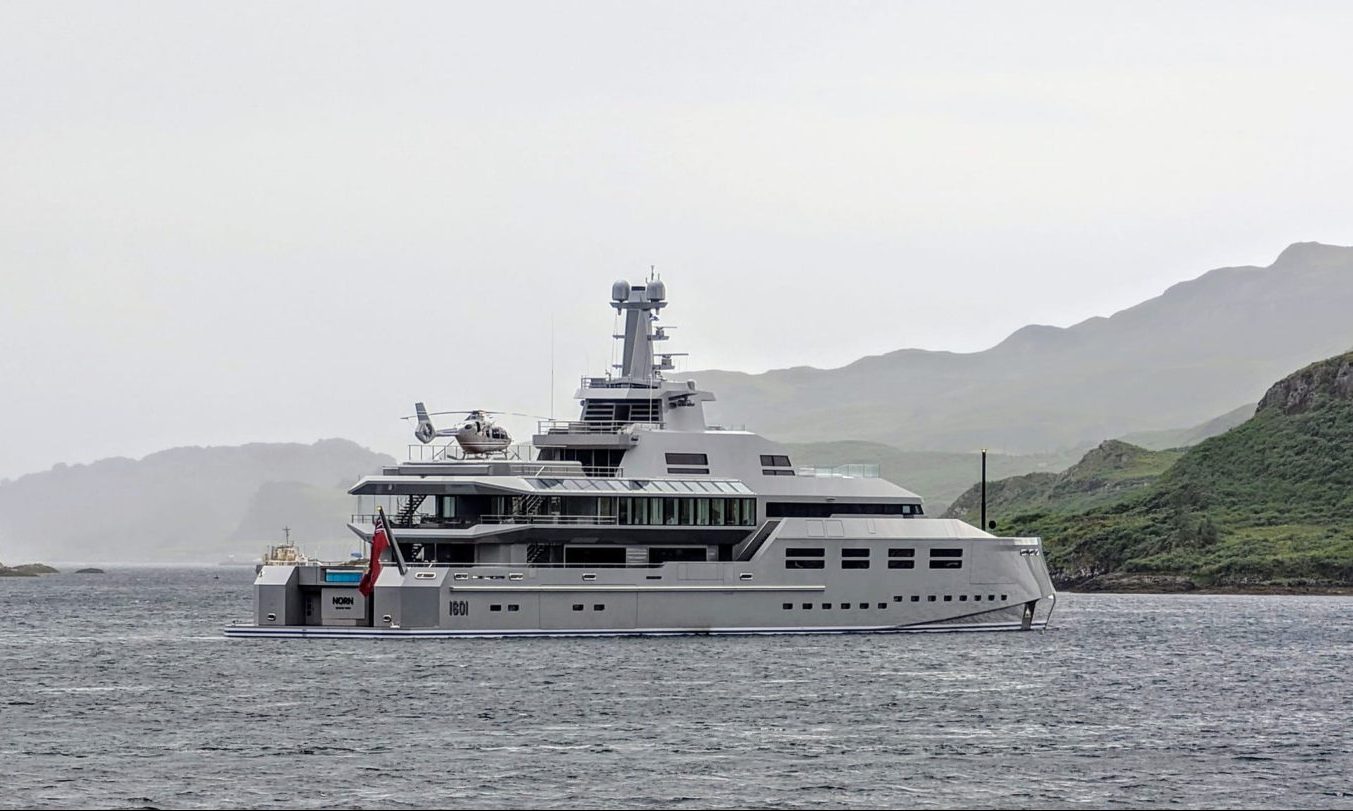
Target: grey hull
{"x":845,"y":585}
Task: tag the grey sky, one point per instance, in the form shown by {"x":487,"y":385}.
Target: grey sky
{"x":231,"y":222}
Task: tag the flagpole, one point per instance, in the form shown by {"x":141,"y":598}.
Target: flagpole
{"x":390,"y":536}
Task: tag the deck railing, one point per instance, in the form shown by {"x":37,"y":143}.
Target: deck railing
{"x":547,"y":519}
{"x":854,"y":471}
{"x":432,"y":522}
{"x":590,"y":426}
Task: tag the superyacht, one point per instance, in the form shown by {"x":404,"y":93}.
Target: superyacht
{"x":638,"y":518}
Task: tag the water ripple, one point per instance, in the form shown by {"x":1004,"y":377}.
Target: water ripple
{"x":118,"y":691}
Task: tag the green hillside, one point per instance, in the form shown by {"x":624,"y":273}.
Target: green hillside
{"x":1106,"y":475}
{"x":1267,"y":504}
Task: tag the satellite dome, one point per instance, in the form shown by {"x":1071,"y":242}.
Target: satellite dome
{"x":657,"y":291}
{"x":620,"y":291}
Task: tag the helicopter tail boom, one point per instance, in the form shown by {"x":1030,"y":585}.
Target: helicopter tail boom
{"x":425,"y":432}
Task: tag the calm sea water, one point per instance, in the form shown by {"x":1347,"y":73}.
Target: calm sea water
{"x":119,"y":691}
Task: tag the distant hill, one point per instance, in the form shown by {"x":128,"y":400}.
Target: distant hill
{"x":186,"y":504}
{"x":1178,"y":359}
{"x":936,"y":476}
{"x":1268,"y":503}
{"x":1184,"y":437}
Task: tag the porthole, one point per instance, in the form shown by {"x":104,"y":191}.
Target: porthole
{"x":272,"y":618}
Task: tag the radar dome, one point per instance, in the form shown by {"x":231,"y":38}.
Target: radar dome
{"x":620,"y":291}
{"x":657,"y":291}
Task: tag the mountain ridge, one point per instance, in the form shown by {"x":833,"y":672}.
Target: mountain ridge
{"x":1179,"y":358}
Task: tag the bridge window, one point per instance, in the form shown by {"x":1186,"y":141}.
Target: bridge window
{"x":901,"y":558}
{"x":855,"y":558}
{"x":941,"y":558}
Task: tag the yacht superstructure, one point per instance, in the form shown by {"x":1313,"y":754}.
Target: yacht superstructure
{"x":639,"y":518}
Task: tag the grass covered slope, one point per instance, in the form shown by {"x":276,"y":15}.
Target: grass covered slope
{"x":1267,"y":504}
{"x":1106,"y":475}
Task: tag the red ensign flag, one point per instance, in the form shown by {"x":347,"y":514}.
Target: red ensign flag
{"x":379,"y":543}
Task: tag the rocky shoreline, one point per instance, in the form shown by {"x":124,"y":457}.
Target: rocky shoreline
{"x":1128,"y":583}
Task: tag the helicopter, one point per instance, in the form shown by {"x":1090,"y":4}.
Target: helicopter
{"x":477,"y":434}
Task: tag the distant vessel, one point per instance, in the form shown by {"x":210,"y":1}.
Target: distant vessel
{"x":285,"y":553}
{"x":639,"y":518}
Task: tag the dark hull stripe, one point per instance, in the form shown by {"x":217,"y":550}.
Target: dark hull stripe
{"x":322,"y":632}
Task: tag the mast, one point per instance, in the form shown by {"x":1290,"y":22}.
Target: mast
{"x":640,"y":304}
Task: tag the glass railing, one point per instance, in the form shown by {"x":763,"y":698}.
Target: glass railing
{"x":851,"y":471}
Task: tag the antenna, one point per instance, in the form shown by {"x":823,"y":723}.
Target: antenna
{"x":551,"y":365}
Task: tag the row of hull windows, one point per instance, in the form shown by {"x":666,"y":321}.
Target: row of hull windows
{"x":949,"y":598}
{"x":827,"y":606}
{"x":915,"y":598}
{"x":813,"y":557}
